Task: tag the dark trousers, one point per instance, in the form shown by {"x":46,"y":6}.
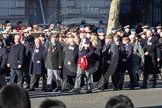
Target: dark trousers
{"x":34,"y":79}
{"x":68,"y":82}
{"x":105,"y":69}
{"x":126,"y":66}
{"x":150,"y":68}
{"x":26,"y":75}
{"x":98,"y":74}
{"x":2,"y":80}
{"x":44,"y":81}
{"x":19,"y":75}
{"x":115,"y":79}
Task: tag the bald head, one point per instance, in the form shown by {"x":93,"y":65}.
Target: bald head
{"x":17,"y":39}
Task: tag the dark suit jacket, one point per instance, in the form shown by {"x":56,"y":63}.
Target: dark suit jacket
{"x":53,"y":58}
{"x":126,"y":52}
{"x":152,"y":49}
{"x":3,"y":60}
{"x":87,"y":51}
{"x":16,"y":56}
{"x":106,"y":53}
{"x":27,"y":53}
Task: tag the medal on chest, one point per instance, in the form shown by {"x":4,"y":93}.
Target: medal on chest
{"x":54,"y":49}
{"x":109,"y":51}
{"x":37,"y":50}
{"x":71,"y":48}
{"x":149,"y":43}
{"x":86,"y":46}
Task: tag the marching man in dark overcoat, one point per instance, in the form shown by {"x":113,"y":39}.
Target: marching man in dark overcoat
{"x":53,"y":63}
{"x":16,"y":60}
{"x":70,"y":57}
{"x":36,"y":63}
{"x":152,"y":55}
{"x":3,"y":64}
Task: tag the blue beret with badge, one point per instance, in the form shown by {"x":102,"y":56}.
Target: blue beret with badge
{"x":99,"y":30}
{"x":113,"y":28}
{"x":133,"y":30}
{"x":81,"y":26}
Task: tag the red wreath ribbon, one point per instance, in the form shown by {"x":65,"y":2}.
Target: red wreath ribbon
{"x":83,"y":63}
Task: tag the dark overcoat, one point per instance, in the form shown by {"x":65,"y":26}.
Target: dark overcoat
{"x":70,"y":53}
{"x":154,"y":53}
{"x":37,"y":55}
{"x":53,"y":58}
{"x":16,"y":56}
{"x":88,"y":51}
{"x":3,"y":60}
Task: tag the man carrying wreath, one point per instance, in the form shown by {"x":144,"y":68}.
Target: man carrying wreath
{"x":85,"y":51}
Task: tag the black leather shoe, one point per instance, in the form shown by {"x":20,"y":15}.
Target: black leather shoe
{"x":115,"y":88}
{"x":27,"y":87}
{"x":65,"y":90}
{"x":132,"y":88}
{"x":57,"y":89}
{"x":48,"y":90}
{"x":76,"y":90}
{"x":32,"y":89}
{"x":143,"y":87}
{"x":89,"y":91}
{"x":154,"y":86}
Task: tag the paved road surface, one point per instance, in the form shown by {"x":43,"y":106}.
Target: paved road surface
{"x":146,"y":98}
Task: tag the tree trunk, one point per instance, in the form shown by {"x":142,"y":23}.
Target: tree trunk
{"x":113,"y":15}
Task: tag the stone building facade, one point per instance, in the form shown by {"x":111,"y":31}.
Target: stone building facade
{"x":54,"y":10}
{"x":12,"y":10}
{"x":73,"y":11}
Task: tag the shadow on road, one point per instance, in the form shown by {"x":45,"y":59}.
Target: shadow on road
{"x":40,"y":94}
{"x":37,"y":94}
{"x":151,"y":107}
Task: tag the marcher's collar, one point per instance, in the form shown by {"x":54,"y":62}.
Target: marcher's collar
{"x":72,"y":43}
{"x":37,"y":47}
{"x":149,"y":38}
{"x":84,"y":40}
{"x":126,"y":44}
{"x":17,"y":43}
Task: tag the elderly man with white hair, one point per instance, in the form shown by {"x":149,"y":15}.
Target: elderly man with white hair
{"x":138,"y":54}
{"x":36,"y":63}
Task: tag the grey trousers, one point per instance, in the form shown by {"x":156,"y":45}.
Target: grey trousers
{"x":89,"y":77}
{"x":51,"y":74}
